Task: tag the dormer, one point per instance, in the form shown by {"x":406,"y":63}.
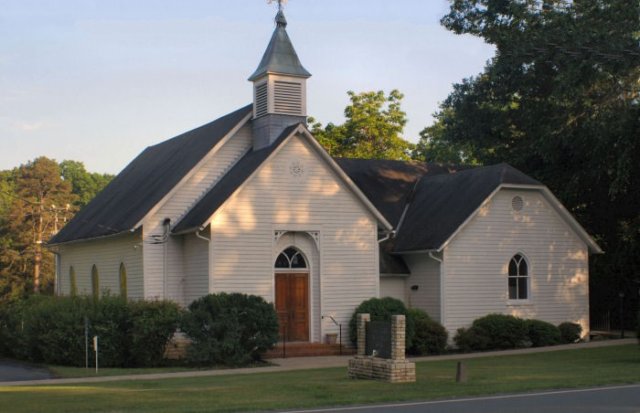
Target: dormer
{"x":279,"y":88}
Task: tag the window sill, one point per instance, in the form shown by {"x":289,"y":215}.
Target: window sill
{"x":519,"y":303}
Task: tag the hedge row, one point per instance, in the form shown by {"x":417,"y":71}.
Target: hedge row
{"x":52,"y":330}
{"x":499,"y":332}
{"x":231,"y":329}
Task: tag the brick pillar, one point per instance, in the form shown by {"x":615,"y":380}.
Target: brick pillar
{"x":398,"y":325}
{"x":362,"y":320}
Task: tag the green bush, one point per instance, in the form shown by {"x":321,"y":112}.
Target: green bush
{"x":570,"y":332}
{"x":638,"y":327}
{"x":51,"y":330}
{"x":429,"y":337}
{"x":232,"y":329}
{"x":154,"y":323}
{"x":382,"y":309}
{"x":542,"y":333}
{"x":469,"y":339}
{"x":493,"y":332}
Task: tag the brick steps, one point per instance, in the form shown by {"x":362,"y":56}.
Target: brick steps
{"x":306,"y":350}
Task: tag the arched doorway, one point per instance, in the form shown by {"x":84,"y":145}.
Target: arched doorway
{"x":292,"y":294}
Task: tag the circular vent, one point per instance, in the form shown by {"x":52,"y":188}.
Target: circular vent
{"x":517,"y":203}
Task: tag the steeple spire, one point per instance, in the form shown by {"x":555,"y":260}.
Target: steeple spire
{"x":279,"y":86}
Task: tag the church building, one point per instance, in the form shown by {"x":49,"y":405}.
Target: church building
{"x":252,"y":203}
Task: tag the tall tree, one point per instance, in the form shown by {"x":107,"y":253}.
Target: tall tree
{"x":41,"y":203}
{"x":85,"y":185}
{"x":560,"y":100}
{"x":373,"y":128}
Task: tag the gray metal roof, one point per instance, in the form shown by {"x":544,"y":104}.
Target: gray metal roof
{"x":442,"y":203}
{"x":145,"y":181}
{"x":228,"y":184}
{"x":280,"y":56}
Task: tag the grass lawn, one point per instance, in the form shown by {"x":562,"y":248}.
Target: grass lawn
{"x":327,"y":387}
{"x":68,"y":372}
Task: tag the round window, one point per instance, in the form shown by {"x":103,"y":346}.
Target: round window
{"x":517,"y":203}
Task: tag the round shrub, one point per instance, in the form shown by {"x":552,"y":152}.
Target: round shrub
{"x":542,"y":333}
{"x":429,"y":337}
{"x":469,"y":339}
{"x":153,"y":325}
{"x":570,"y":332}
{"x":232,"y":329}
{"x":493,"y":332}
{"x":382,"y":309}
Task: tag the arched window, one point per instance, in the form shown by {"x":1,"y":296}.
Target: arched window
{"x":73,"y":286}
{"x":95,"y":282}
{"x":290,"y":258}
{"x":123,"y":280}
{"x":518,"y":278}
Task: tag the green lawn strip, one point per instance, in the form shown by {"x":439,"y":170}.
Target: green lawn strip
{"x":65,"y":372}
{"x":70,"y":372}
{"x":330,"y":387}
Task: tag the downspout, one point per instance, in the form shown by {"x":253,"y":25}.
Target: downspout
{"x":167,"y":229}
{"x":441,"y":262}
{"x":386,"y":237}
{"x":202,"y":237}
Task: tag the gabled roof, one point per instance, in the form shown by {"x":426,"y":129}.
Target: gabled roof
{"x":146,"y":180}
{"x":201,"y":213}
{"x":388,"y":184}
{"x":280,"y":56}
{"x":442,"y":203}
{"x":429,"y":203}
{"x":228,"y":184}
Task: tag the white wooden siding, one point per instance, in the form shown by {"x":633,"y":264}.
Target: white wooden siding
{"x":425,"y":273}
{"x":394,"y":287}
{"x":196,"y":267}
{"x":174,"y":208}
{"x":242,"y":232}
{"x":476,"y":264}
{"x":106,"y":254}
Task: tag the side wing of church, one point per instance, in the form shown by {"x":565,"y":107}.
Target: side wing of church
{"x":251,"y":203}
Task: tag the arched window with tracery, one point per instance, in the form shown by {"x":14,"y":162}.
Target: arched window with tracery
{"x":518,"y":278}
{"x":95,"y":282}
{"x":123,"y":280}
{"x":291,"y":258}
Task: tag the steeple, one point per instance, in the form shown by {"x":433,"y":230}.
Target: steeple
{"x":279,"y":87}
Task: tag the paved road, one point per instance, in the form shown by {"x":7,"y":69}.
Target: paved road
{"x":11,"y":370}
{"x":613,"y":399}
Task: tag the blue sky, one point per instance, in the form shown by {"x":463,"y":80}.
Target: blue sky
{"x":98,"y":81}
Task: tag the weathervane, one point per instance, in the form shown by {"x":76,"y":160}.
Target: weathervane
{"x":281,"y":3}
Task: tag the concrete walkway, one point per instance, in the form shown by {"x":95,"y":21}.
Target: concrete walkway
{"x":309,"y":363}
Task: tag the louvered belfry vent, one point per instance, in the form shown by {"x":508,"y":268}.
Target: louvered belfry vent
{"x":261,"y":100}
{"x":287,"y":98}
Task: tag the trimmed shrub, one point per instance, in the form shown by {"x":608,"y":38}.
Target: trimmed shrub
{"x":154,"y":323}
{"x":542,"y":333}
{"x":469,"y":339}
{"x":232,"y":329}
{"x":570,"y":332}
{"x":493,"y":332}
{"x":429,"y":337}
{"x":382,"y":309}
{"x":51,"y":330}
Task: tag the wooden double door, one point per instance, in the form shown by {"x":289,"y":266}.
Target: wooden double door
{"x":292,"y":305}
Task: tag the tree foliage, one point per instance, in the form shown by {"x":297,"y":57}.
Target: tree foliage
{"x":36,"y":200}
{"x":373,"y":128}
{"x":560,"y":101}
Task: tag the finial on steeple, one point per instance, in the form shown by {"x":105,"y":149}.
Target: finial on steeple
{"x":280,"y":19}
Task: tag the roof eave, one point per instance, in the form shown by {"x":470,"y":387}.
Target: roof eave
{"x":301,"y":129}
